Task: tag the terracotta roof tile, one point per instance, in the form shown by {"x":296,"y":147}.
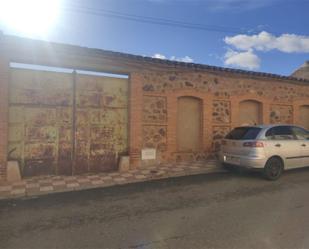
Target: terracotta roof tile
{"x":162,"y":61}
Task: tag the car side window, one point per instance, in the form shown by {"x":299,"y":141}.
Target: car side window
{"x":280,"y":133}
{"x":300,"y":133}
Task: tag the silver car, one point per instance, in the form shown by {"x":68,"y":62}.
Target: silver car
{"x":271,"y":148}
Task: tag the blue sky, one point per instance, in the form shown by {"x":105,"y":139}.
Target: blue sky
{"x":261,"y":35}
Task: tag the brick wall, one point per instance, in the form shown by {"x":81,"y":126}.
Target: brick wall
{"x":4,"y":81}
{"x":221,"y":94}
{"x":154,"y":89}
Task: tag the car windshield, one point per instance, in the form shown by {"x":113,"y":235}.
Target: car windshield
{"x":243,"y":133}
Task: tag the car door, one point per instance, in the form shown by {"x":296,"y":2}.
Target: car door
{"x":282,"y":142}
{"x":303,"y":136}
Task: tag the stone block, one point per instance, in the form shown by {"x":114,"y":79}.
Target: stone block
{"x":124,"y":163}
{"x":13,"y":171}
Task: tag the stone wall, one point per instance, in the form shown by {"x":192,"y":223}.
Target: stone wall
{"x":154,"y":109}
{"x":221,"y":111}
{"x":223,"y":87}
{"x":4,"y":100}
{"x":282,"y":114}
{"x":154,"y":88}
{"x":221,"y":95}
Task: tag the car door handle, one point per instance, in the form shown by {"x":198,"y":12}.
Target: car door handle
{"x":278,"y":145}
{"x":304,"y":145}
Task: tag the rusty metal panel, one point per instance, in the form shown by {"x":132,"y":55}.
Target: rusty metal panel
{"x":116,"y":93}
{"x":39,"y":151}
{"x":39,"y":159}
{"x":39,"y":117}
{"x":42,"y":135}
{"x":40,"y":87}
{"x":101,"y":121}
{"x":64,"y":126}
{"x":16,"y":133}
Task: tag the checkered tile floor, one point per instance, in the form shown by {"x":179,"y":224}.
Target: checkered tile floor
{"x":52,"y":184}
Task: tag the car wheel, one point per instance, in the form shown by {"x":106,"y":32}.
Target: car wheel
{"x":273,"y":169}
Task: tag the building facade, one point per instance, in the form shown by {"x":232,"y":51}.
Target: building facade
{"x":74,"y":121}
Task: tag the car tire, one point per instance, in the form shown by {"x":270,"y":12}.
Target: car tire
{"x":273,"y":169}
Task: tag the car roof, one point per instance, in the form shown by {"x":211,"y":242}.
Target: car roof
{"x":268,"y":126}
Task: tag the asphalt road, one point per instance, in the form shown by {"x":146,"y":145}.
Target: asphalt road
{"x":228,"y":210}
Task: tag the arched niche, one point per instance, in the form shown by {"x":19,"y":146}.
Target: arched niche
{"x":250,"y":112}
{"x":304,"y":116}
{"x":189,"y":124}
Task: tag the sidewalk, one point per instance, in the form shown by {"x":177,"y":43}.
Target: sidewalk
{"x":42,"y":185}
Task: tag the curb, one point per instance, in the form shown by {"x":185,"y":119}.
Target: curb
{"x":26,"y":195}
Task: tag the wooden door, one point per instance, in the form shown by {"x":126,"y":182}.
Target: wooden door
{"x":189,"y":124}
{"x":304,"y":116}
{"x":250,"y":113}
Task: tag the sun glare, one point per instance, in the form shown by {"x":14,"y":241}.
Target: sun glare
{"x":29,"y":16}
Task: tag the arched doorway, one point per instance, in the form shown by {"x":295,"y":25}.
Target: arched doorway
{"x":250,"y":112}
{"x":304,"y":116}
{"x":189,"y":124}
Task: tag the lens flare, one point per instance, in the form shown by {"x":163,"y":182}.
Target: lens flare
{"x":29,"y":16}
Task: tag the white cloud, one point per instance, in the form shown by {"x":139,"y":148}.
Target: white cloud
{"x":247,"y":45}
{"x":245,"y":59}
{"x":264,"y":41}
{"x":186,"y":58}
{"x":159,"y":56}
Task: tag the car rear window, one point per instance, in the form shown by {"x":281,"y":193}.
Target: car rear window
{"x":243,"y":133}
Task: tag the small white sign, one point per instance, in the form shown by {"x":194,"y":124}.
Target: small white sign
{"x":148,"y":154}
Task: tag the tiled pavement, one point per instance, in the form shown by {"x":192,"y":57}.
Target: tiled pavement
{"x":35,"y":186}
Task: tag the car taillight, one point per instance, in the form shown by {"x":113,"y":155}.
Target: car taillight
{"x":253,"y":144}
